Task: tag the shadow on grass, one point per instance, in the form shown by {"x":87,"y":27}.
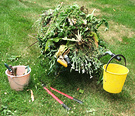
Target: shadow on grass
{"x":124,"y":97}
{"x":71,"y":80}
{"x":68,"y":82}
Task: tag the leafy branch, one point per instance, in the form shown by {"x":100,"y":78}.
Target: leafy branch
{"x":73,"y":27}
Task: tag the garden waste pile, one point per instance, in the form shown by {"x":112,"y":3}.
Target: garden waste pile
{"x":69,"y":35}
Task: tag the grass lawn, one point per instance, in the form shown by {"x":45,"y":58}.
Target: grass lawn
{"x":17,"y":34}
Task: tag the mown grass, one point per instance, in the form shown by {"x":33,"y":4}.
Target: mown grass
{"x":16,"y":34}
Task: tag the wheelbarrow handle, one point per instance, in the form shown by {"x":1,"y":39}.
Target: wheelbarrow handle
{"x":112,"y":54}
{"x":115,"y":57}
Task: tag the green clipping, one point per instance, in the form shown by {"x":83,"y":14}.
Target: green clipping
{"x":81,"y":91}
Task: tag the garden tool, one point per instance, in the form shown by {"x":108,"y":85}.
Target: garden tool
{"x":60,"y":51}
{"x":67,"y":95}
{"x":58,"y":100}
{"x":11,"y":69}
{"x":15,"y":71}
{"x":62,"y":56}
{"x":62,"y":61}
{"x":65,"y":55}
{"x":27,"y":69}
{"x":8,"y":67}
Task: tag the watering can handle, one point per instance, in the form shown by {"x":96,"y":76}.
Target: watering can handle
{"x":115,"y":57}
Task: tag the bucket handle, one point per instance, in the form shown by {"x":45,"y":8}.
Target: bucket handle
{"x":115,"y":57}
{"x":16,"y":82}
